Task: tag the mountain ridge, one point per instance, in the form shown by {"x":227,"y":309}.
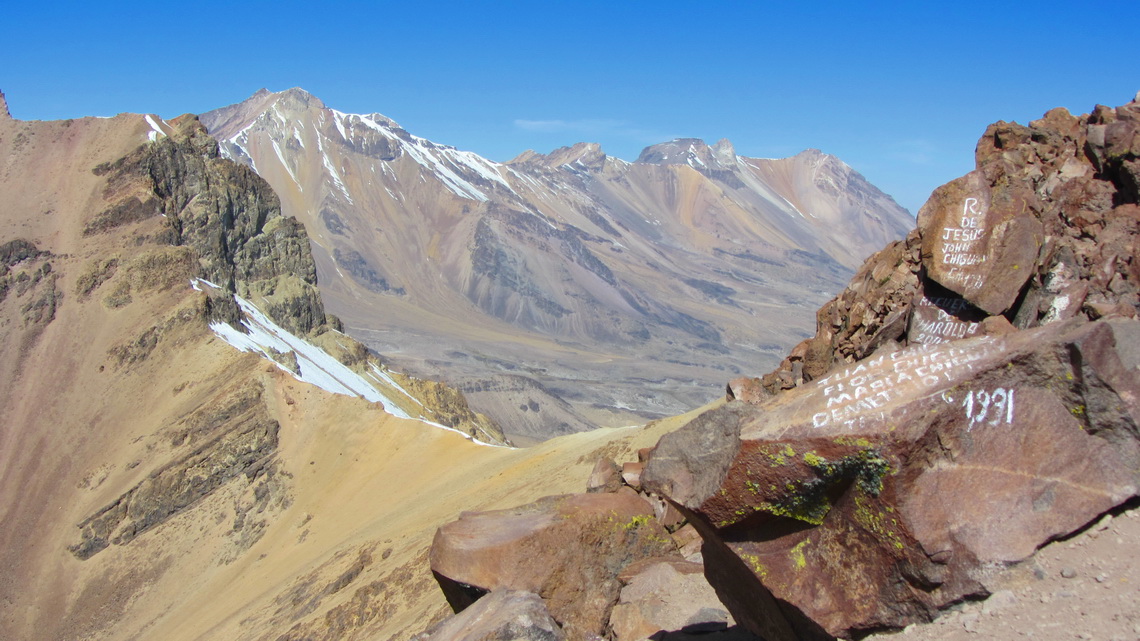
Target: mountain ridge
{"x":580,"y":255}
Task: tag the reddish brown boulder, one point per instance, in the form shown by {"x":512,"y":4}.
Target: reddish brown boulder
{"x":688,"y":542}
{"x":631,"y":474}
{"x":569,"y":549}
{"x":503,"y":614}
{"x":664,"y":595}
{"x":978,"y":244}
{"x":606,"y":477}
{"x":886,"y":490}
{"x":749,"y":390}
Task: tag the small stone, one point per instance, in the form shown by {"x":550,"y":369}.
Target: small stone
{"x":999,"y":601}
{"x":1101,"y":578}
{"x":1068,"y":573}
{"x":970,"y":622}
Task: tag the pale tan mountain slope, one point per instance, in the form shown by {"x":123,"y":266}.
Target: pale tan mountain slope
{"x":250,"y":505}
{"x":626,"y":289}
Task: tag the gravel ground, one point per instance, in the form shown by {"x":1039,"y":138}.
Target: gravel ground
{"x":1085,"y":587}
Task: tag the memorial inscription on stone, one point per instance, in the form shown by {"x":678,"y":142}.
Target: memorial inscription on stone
{"x":885,"y":490}
{"x":942,"y":318}
{"x":976,"y":249}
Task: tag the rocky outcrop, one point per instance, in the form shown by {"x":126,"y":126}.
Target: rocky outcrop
{"x":971,"y":396}
{"x":885,"y":491}
{"x":615,"y":562}
{"x":228,"y":215}
{"x":447,"y":405}
{"x":1046,"y":228}
{"x":27,"y":273}
{"x":226,"y":227}
{"x":231,"y":437}
{"x":569,"y":549}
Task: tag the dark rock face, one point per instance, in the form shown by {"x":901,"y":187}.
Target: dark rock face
{"x":226,"y":213}
{"x":920,"y":440}
{"x":231,"y":437}
{"x":26,"y":272}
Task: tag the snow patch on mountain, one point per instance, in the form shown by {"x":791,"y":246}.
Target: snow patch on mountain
{"x":314,"y":365}
{"x":156,"y":132}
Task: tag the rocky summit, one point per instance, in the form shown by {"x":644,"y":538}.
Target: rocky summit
{"x":973,"y":395}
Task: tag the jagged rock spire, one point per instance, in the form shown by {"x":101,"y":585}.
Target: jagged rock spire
{"x":4,"y":106}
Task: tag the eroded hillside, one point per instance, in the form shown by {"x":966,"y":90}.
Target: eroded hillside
{"x":158,"y":481}
{"x":565,"y":289}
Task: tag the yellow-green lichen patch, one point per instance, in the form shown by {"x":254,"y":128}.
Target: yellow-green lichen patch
{"x":866,"y":467}
{"x":755,"y":565}
{"x":636,"y":522}
{"x":807,"y":503}
{"x":776,"y":457}
{"x":799,"y":562}
{"x":879,"y":523}
{"x":850,"y":441}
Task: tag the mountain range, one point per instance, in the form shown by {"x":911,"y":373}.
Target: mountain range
{"x":193,"y":447}
{"x":565,"y":290}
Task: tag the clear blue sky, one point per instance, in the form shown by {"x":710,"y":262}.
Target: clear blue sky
{"x":900,"y":91}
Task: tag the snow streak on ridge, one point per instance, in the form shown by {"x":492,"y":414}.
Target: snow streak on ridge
{"x":315,"y":365}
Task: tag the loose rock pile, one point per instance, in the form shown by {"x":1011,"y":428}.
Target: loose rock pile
{"x":612,"y":562}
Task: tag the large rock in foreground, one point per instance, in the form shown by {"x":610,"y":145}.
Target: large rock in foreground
{"x":569,"y":549}
{"x":876,"y":495}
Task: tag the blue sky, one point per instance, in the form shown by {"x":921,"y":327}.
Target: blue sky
{"x":900,"y":91}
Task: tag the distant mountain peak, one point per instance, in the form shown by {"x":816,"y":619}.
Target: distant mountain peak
{"x":586,"y":154}
{"x":294,"y":98}
{"x":691,"y":151}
